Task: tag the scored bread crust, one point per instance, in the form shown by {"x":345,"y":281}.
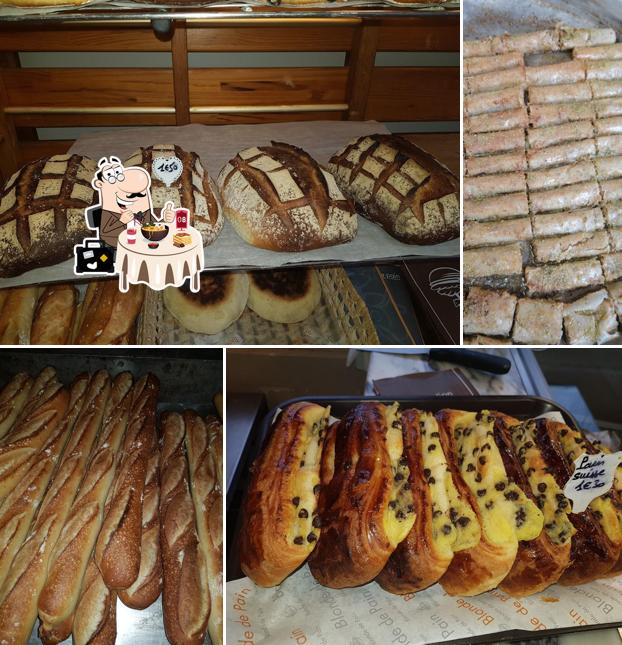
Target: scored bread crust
{"x":482,"y":567}
{"x":592,"y":554}
{"x":280,"y":480}
{"x":13,"y":398}
{"x":539,"y":562}
{"x":287,"y":296}
{"x":354,"y":546}
{"x":416,"y":563}
{"x":277,"y":197}
{"x":54,"y":315}
{"x":400,"y":187}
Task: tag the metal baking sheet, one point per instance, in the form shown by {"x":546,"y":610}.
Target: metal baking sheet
{"x":188,"y":379}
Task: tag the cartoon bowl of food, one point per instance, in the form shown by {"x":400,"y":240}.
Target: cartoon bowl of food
{"x":154,"y":232}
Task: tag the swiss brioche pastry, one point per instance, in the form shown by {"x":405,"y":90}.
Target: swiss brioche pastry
{"x":192,"y":189}
{"x":400,"y":187}
{"x":540,"y":562}
{"x":284,"y":296}
{"x":278,"y":198}
{"x":280,"y":525}
{"x":367,"y":508}
{"x":444,"y":519}
{"x":42,"y":212}
{"x":506,"y":515}
{"x":220,"y":301}
{"x":54,"y":315}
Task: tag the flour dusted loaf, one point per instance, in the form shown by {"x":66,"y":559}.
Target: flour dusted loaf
{"x":400,"y":187}
{"x":42,"y":212}
{"x":278,"y":198}
{"x":192,"y":189}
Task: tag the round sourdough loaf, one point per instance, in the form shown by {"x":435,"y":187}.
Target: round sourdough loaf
{"x":277,"y":197}
{"x":286,"y":296}
{"x":192,"y":189}
{"x":219,"y":302}
{"x":400,"y":187}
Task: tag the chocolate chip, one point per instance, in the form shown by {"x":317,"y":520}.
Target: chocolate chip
{"x":303,"y":513}
{"x":296,"y":501}
{"x":542,"y":487}
{"x":486,"y":446}
{"x":396,"y":424}
{"x":578,"y":440}
{"x":299,"y":539}
{"x":511,"y":495}
{"x":598,"y":515}
{"x":435,"y":434}
{"x":436,"y":513}
{"x":446,"y":529}
{"x":410,"y":508}
{"x":431,"y":447}
{"x":521,"y":516}
{"x":453,"y":514}
{"x":475,"y":451}
{"x":478,"y":477}
{"x":463,"y":521}
{"x":399,"y":477}
{"x":470,"y":468}
{"x":482,"y":461}
{"x":427,"y":472}
{"x":316,"y":489}
{"x":489,"y":504}
{"x":312,"y":537}
{"x":500,"y":486}
{"x":403,"y":461}
{"x":400,"y":515}
{"x":564,"y":432}
{"x":392,"y":504}
{"x":347,"y":465}
{"x":549,"y":526}
{"x":431,"y":480}
{"x":481,"y":492}
{"x":530,"y":471}
{"x":529,"y":444}
{"x":302,"y":463}
{"x":317,"y":522}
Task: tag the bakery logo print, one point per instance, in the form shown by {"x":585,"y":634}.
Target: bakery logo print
{"x":141,"y":245}
{"x":446,"y":282}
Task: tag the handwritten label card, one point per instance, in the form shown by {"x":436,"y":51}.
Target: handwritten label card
{"x":167,"y":169}
{"x":592,"y":477}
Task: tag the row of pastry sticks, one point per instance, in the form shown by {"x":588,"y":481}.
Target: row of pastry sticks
{"x":91,"y":508}
{"x":470,"y":500}
{"x":53,"y":315}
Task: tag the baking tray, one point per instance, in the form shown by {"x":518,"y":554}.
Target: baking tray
{"x":521,"y":407}
{"x":188,"y":379}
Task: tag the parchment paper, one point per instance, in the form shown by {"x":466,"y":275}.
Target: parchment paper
{"x":216,"y":145}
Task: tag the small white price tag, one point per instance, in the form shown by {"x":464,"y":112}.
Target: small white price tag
{"x":167,"y":169}
{"x":592,"y":477}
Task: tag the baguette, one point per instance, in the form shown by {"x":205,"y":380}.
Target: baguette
{"x":72,"y":550}
{"x":12,"y":399}
{"x":185,"y":594}
{"x":16,"y":315}
{"x":95,"y":620}
{"x":44,"y":385}
{"x":21,"y":589}
{"x":117,"y":551}
{"x":54,"y":315}
{"x":203,"y":442}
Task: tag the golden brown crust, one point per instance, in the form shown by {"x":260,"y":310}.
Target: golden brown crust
{"x":13,"y":397}
{"x":354,"y":547}
{"x":268,"y":550}
{"x":54,"y":315}
{"x":16,"y":315}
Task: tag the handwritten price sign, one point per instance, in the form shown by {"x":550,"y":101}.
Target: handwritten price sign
{"x":593,"y":476}
{"x":167,"y":169}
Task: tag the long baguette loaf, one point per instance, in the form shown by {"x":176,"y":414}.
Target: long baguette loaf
{"x":54,"y":315}
{"x":21,"y":589}
{"x":12,"y":399}
{"x":72,"y":550}
{"x":204,"y":445}
{"x":95,"y":620}
{"x":148,"y":585}
{"x":16,"y":315}
{"x":30,"y":438}
{"x":42,"y":387}
{"x":117,"y":551}
{"x":185,"y":595}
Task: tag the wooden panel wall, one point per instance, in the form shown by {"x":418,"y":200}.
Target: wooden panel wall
{"x":49,"y":97}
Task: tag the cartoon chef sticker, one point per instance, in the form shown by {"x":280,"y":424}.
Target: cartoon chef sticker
{"x":124,"y":195}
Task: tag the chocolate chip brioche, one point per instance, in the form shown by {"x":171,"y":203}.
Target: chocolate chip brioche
{"x":505,"y":513}
{"x":445,"y":521}
{"x":541,"y":561}
{"x":280,"y":525}
{"x":367,"y":508}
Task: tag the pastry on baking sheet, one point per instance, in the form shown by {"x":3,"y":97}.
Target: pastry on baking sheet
{"x":555,"y":278}
{"x":445,"y":522}
{"x":538,"y":322}
{"x":487,"y":185}
{"x":506,"y":514}
{"x":280,"y":524}
{"x":481,"y":339}
{"x":615,"y":291}
{"x":503,"y":231}
{"x":284,"y":296}
{"x":508,"y":162}
{"x":400,"y":187}
{"x":489,"y":312}
{"x":220,"y":301}
{"x":493,"y":261}
{"x":496,"y":207}
{"x":277,"y":197}
{"x":570,"y":247}
{"x":590,"y":320}
{"x":188,"y":187}
{"x":561,"y":175}
{"x":585,"y":220}
{"x":367,"y":508}
{"x":612,"y":266}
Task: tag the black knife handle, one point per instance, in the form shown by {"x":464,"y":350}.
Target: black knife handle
{"x":476,"y":360}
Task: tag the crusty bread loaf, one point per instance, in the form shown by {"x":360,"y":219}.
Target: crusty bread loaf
{"x":12,"y":399}
{"x":202,"y":443}
{"x":20,"y":591}
{"x":95,"y":619}
{"x":53,"y":319}
{"x":16,"y":315}
{"x":42,"y":212}
{"x":185,"y":594}
{"x":286,"y":296}
{"x":277,"y":197}
{"x":400,"y":187}
{"x":220,"y":301}
{"x":117,"y":551}
{"x":193,"y":189}
{"x":107,"y":314}
{"x":44,"y":386}
{"x":72,"y":551}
